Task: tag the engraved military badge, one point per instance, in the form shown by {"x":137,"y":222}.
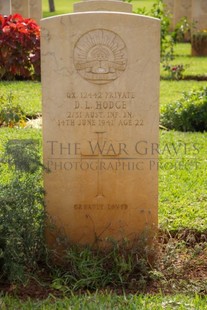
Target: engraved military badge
{"x":100,"y":56}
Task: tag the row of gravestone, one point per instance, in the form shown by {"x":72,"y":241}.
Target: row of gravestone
{"x":26,"y":8}
{"x":194,"y":10}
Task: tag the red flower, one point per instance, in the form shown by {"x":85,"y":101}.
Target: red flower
{"x":6,"y":29}
{"x":174,"y":68}
{"x":20,"y":46}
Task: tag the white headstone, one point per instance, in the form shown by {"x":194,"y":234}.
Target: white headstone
{"x":199,"y":14}
{"x":35,"y":10}
{"x":100,"y":84}
{"x":5,"y":7}
{"x":28,"y":8}
{"x":20,"y":7}
{"x":182,"y":8}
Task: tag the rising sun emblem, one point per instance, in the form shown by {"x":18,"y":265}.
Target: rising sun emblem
{"x":100,"y":56}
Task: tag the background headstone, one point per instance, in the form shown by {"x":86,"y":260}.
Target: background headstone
{"x":169,"y":8}
{"x":35,"y":10}
{"x":28,"y":8}
{"x":199,"y":14}
{"x":20,"y":7}
{"x":103,"y":5}
{"x":5,"y":7}
{"x":182,"y":8}
{"x":100,"y":85}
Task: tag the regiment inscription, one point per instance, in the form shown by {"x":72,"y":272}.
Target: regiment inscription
{"x":100,"y":109}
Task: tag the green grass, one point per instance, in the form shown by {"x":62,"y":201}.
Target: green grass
{"x":109,"y":301}
{"x":7,"y":134}
{"x":182,"y":181}
{"x":182,"y":49}
{"x":61,"y":7}
{"x":18,"y":133}
{"x":147,"y":4}
{"x":26,"y":94}
{"x":193,"y":65}
{"x":172,"y":90}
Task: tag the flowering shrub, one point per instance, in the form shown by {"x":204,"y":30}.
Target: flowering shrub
{"x":19,"y":48}
{"x":11,"y":115}
{"x":189,"y":113}
{"x":22,"y":213}
{"x":175,"y":71}
{"x":182,"y":31}
{"x":158,"y":10}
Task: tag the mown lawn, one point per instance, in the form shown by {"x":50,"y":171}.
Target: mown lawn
{"x":27,"y":94}
{"x":101,"y":301}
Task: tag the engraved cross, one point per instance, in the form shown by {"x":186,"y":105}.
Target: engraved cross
{"x":99,"y":157}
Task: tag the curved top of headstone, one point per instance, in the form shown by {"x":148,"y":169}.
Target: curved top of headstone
{"x":102,"y":5}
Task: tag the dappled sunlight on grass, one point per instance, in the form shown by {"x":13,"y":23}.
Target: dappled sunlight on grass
{"x":182,"y":180}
